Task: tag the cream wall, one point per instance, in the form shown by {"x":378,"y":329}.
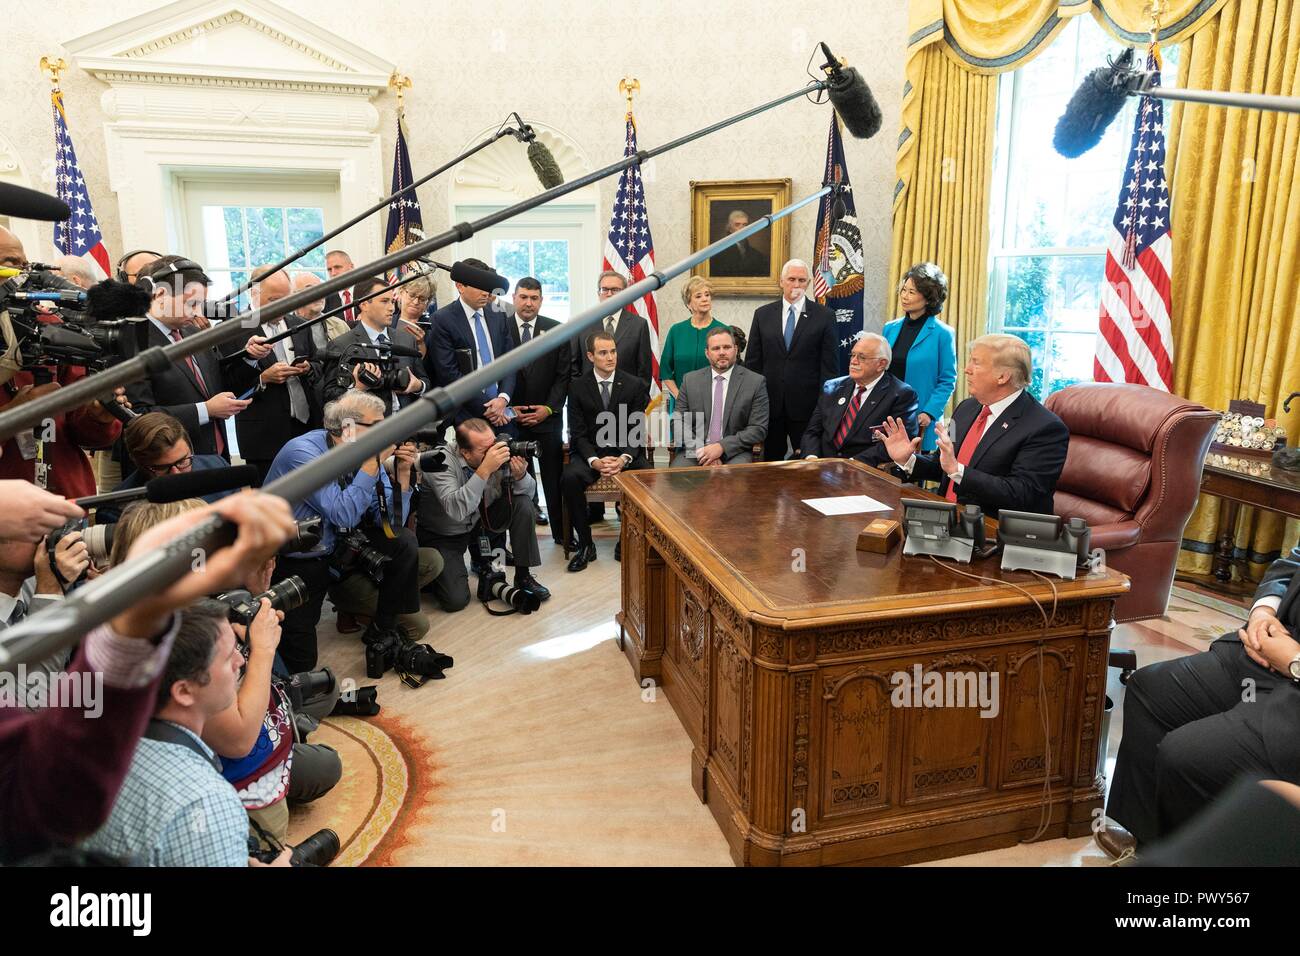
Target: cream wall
{"x":558,"y":64}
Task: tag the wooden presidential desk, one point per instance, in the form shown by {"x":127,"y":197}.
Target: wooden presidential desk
{"x":777,"y":642}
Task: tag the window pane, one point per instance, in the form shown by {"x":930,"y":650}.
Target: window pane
{"x":551,"y":262}
{"x":234,"y":244}
{"x":1071,"y":360}
{"x":1028,"y":280}
{"x":510,"y":257}
{"x":305,"y":227}
{"x":265,"y":234}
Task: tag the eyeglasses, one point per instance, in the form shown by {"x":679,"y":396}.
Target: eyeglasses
{"x":180,"y":464}
{"x":416,"y":297}
{"x":605,"y":290}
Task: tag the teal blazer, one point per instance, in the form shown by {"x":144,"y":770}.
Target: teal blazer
{"x":931,"y":370}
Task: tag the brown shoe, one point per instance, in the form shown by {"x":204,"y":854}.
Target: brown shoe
{"x":1116,"y":842}
{"x":349,"y":623}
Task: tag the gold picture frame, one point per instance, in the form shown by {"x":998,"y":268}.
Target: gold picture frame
{"x":755,"y":267}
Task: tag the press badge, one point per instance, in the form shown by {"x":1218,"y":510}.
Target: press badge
{"x":26,"y":445}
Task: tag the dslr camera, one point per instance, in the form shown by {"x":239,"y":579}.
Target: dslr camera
{"x":353,"y":554}
{"x":284,"y":595}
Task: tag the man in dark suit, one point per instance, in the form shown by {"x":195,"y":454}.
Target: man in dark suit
{"x":631,"y":335}
{"x":1195,"y":724}
{"x":607,"y":435}
{"x":373,"y":332}
{"x":793,"y":344}
{"x":338,"y":262}
{"x":195,"y":390}
{"x":464,"y":336}
{"x":1006,"y":450}
{"x":285,"y":404}
{"x":850,"y":409}
{"x":742,"y":259}
{"x":541,"y":389}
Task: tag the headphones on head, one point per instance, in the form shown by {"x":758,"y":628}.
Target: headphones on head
{"x":121,"y":263}
{"x":162,"y":269}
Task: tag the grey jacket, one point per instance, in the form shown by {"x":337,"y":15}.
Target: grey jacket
{"x":744,"y":416}
{"x":450,"y":498}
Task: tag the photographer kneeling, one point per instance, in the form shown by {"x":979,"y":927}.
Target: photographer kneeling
{"x":466,"y":497}
{"x":362,"y":532}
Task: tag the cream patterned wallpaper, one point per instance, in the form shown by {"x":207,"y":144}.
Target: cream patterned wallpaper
{"x":557,"y":63}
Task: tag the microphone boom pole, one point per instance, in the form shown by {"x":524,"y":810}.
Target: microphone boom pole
{"x":61,"y":625}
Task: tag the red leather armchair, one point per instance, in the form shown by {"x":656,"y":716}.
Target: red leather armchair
{"x":1133,"y":472}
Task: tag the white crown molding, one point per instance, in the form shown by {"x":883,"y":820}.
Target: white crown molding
{"x":170,"y":46}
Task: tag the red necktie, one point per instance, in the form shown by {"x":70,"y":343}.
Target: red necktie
{"x":348,"y":315}
{"x":968,"y":446}
{"x":217,"y":425}
{"x":850,"y":413}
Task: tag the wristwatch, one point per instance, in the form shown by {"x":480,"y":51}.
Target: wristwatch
{"x":1293,"y":668}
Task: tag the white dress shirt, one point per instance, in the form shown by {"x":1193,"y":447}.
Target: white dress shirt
{"x":799,"y":308}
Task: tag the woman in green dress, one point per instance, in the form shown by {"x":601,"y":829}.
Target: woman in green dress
{"x":683,"y":349}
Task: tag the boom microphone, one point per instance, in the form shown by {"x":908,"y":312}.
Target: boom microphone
{"x":851,"y":98}
{"x":1094,"y":106}
{"x":539,"y":155}
{"x":23,"y":203}
{"x":169,"y":488}
{"x":482,"y":279}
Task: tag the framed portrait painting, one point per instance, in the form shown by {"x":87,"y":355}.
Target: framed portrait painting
{"x":721,"y":207}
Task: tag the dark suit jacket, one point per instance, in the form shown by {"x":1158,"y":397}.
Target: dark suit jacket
{"x":889,"y":397}
{"x":334,"y":301}
{"x":175,"y":391}
{"x":794,"y":377}
{"x":266,"y":425}
{"x":631,"y":337}
{"x":357,"y":335}
{"x":628,"y":398}
{"x":1016,"y":464}
{"x":545,"y":381}
{"x":452,"y":352}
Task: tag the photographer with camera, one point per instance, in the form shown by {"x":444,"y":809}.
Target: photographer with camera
{"x":52,"y":457}
{"x":471,"y":490}
{"x":45,"y":801}
{"x":373,"y":356}
{"x":362,"y":532}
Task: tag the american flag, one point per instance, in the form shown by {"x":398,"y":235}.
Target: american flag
{"x":1134,"y":338}
{"x":79,"y":235}
{"x":629,"y":249}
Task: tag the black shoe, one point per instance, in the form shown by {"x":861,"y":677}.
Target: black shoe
{"x":582,"y":557}
{"x":526,"y":582}
{"x":542,"y":520}
{"x":618,"y":550}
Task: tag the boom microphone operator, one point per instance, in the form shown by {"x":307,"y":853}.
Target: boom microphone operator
{"x":851,"y":98}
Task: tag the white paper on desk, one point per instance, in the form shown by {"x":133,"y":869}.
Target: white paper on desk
{"x":846,"y":505}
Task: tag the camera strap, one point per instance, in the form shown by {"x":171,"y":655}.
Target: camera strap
{"x":389,"y":522}
{"x":166,"y":732}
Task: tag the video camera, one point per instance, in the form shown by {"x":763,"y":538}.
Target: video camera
{"x":100,"y":326}
{"x":382,"y":354}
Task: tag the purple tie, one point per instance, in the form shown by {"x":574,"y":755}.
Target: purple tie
{"x":715,"y":420}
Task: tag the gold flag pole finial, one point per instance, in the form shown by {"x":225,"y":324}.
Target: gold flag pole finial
{"x":53,"y":66}
{"x":629,"y":86}
{"x":401,"y":84}
{"x":1155,"y":10}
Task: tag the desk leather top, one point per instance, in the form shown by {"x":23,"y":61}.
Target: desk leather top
{"x":742,"y":525}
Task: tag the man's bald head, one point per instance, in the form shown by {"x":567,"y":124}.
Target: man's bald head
{"x":12,"y":254}
{"x":268,"y":286}
{"x":136,"y":263}
{"x":305,"y":280}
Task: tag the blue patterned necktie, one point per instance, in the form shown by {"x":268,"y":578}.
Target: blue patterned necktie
{"x":528,"y":332}
{"x":789,"y":327}
{"x":484,"y":350}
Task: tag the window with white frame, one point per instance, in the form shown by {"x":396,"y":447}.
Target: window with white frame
{"x":1051,"y":216}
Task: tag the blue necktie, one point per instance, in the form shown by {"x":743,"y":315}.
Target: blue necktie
{"x":528,"y":333}
{"x":382,"y":338}
{"x":484,"y":350}
{"x":789,"y":327}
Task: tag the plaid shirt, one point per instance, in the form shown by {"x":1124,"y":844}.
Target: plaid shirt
{"x":174,"y":809}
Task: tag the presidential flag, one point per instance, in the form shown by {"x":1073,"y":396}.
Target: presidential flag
{"x":79,"y":235}
{"x":629,"y":248}
{"x":837,"y":255}
{"x":404,"y":211}
{"x":1135,"y":340}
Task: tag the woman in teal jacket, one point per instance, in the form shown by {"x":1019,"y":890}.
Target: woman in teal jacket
{"x":924,"y":354}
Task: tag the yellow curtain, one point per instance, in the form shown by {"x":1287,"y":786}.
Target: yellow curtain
{"x":944,"y":217}
{"x":1236,"y":233}
{"x":945,"y":146}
